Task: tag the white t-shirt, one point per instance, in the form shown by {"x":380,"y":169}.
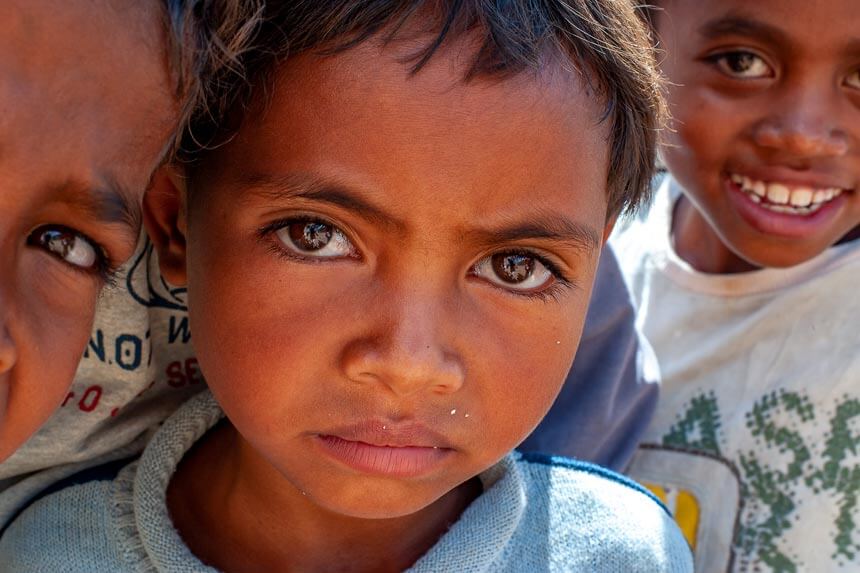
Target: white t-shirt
{"x":755,"y":444}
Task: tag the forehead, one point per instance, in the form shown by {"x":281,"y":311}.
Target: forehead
{"x":433,"y":137}
{"x":826,"y":27}
{"x":83,"y":88}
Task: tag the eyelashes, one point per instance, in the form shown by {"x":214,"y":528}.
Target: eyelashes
{"x":518,"y":272}
{"x":741,"y":64}
{"x":315,"y":238}
{"x":522,"y":272}
{"x":308,"y":239}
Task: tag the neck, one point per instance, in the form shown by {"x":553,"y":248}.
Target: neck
{"x":248,"y":517}
{"x":696,"y":243}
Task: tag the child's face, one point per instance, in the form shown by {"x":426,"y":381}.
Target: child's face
{"x":85,"y":115}
{"x":388,"y":274}
{"x":765,"y":98}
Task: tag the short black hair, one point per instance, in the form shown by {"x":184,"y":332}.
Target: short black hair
{"x":604,"y":39}
{"x":205,"y":39}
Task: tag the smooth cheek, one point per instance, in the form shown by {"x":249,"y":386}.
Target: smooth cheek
{"x":258,"y":334}
{"x":704,"y":122}
{"x":693,"y":149}
{"x":706,"y":139}
{"x":54,"y":319}
{"x":519,"y":361}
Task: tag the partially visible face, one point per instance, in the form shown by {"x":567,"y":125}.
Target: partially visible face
{"x":388,"y":274}
{"x":765,"y":98}
{"x":86,"y":112}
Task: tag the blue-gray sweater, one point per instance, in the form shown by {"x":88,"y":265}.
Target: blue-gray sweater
{"x":536,"y":514}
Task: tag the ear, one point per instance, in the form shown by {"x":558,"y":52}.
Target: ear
{"x":164,"y":214}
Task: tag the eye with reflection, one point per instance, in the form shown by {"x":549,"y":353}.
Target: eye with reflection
{"x":313,"y":238}
{"x":519,"y":271}
{"x":741,"y":64}
{"x":70,"y":246}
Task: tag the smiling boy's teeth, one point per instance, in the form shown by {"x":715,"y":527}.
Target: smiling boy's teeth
{"x":801,"y":197}
{"x":778,"y":193}
{"x":783,"y":198}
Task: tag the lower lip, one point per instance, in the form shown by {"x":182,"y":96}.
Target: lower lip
{"x":410,"y":461}
{"x":783,"y":224}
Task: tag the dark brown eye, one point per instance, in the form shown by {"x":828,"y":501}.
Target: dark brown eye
{"x":516,"y":271}
{"x":67,"y":245}
{"x":316,"y":239}
{"x":743,"y":65}
{"x":310,"y":235}
{"x":513,"y":268}
{"x":741,"y":62}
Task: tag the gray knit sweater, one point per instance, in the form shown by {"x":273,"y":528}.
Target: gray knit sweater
{"x":536,"y":514}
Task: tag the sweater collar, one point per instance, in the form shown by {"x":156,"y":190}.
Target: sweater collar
{"x":483,"y":531}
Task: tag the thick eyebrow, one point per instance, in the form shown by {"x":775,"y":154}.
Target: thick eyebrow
{"x":109,"y":203}
{"x":278,"y":188}
{"x":740,"y":25}
{"x":547,"y":227}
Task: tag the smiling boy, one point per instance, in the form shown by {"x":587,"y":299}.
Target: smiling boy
{"x":387,"y":275}
{"x":746,"y":273}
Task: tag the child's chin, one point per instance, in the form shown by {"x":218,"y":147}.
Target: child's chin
{"x":775,"y":254}
{"x":375,"y":505}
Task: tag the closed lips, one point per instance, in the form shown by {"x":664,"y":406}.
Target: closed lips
{"x":391,"y":460}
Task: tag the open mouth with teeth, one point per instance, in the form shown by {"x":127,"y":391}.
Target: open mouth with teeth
{"x":783,"y":198}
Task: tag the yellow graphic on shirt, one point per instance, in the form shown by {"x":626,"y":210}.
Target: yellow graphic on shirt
{"x":703,"y":494}
{"x":684,"y":508}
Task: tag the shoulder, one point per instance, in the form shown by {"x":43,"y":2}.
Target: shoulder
{"x":596,"y":516}
{"x":68,"y":530}
{"x":113,"y":522}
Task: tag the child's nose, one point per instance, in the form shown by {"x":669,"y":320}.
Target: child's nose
{"x":804,"y":125}
{"x":802,"y":139}
{"x":407,"y":354}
